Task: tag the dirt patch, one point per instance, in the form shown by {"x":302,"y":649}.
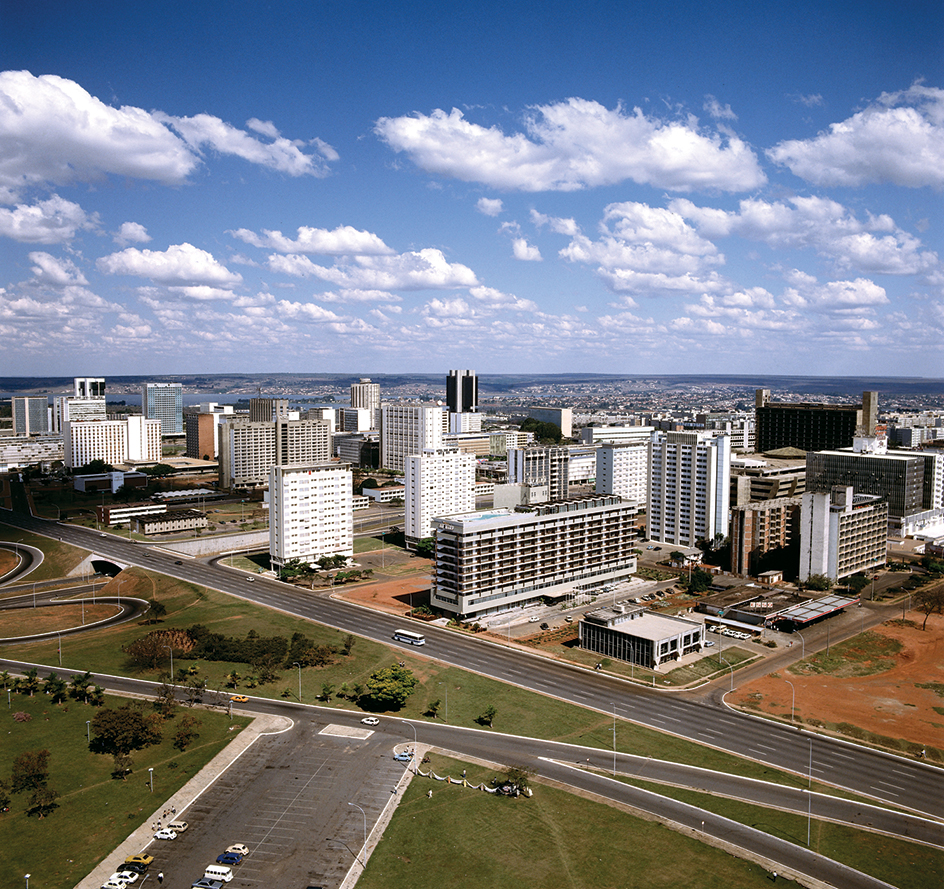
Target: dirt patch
{"x":898,"y":700}
{"x":52,"y":618}
{"x":394,"y":596}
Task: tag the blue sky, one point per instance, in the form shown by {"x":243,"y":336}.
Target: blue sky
{"x":375,"y":187}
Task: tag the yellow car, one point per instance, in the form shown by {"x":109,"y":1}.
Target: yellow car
{"x":141,"y":858}
{"x":239,"y":699}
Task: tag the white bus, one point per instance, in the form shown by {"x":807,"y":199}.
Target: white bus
{"x":409,"y":637}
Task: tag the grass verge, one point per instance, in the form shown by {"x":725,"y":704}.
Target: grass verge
{"x":95,"y":812}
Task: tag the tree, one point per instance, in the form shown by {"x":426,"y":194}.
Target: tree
{"x":516,"y":777}
{"x":186,"y":731}
{"x":488,"y":714}
{"x":700,"y":581}
{"x":348,"y":644}
{"x":29,"y":684}
{"x":122,"y":730}
{"x":819,"y":583}
{"x":30,"y":770}
{"x":4,"y":794}
{"x":930,"y":600}
{"x":79,"y":687}
{"x":545,"y":433}
{"x":389,"y":687}
{"x":677,"y":556}
{"x":42,"y":801}
{"x":433,"y":708}
{"x":56,"y":688}
{"x":426,"y":547}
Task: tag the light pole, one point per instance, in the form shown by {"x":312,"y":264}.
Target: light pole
{"x":170,"y":648}
{"x":356,"y":806}
{"x":151,"y":776}
{"x":27,"y":881}
{"x":415,"y":745}
{"x":809,"y":810}
{"x":730,"y":668}
{"x":88,"y":730}
{"x":793,"y":700}
{"x":803,"y":641}
{"x":614,"y":740}
{"x":297,"y":664}
{"x":59,"y":637}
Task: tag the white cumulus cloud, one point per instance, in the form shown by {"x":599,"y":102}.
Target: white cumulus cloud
{"x":181,"y":264}
{"x":52,"y":221}
{"x":524,"y":251}
{"x":131,"y":233}
{"x":899,"y":139}
{"x":574,"y":145}
{"x":489,"y":206}
{"x":345,"y":240}
{"x":55,"y":272}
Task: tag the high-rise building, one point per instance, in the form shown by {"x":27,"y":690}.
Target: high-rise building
{"x":409,"y":429}
{"x":86,"y":403}
{"x":438,"y":482}
{"x":164,"y":402}
{"x":30,"y":414}
{"x":311,"y":512}
{"x":905,"y":479}
{"x":623,"y":470}
{"x":541,"y":467}
{"x":366,"y":394}
{"x":841,"y":533}
{"x":689,"y":487}
{"x":249,"y":450}
{"x":562,"y":417}
{"x":462,"y":391}
{"x":811,"y":426}
{"x":765,"y":536}
{"x":595,"y":435}
{"x":268,"y":410}
{"x":490,"y":561}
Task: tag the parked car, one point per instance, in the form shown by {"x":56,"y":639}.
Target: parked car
{"x":229,"y":858}
{"x":165,"y":834}
{"x":113,"y":884}
{"x":239,"y":849}
{"x":178,"y":562}
{"x":129,"y":876}
{"x":545,"y":626}
{"x":403,"y":757}
{"x":709,"y":643}
{"x":141,"y":858}
{"x":135,"y":867}
{"x":204,"y":883}
{"x":370,"y":720}
{"x":569,"y":619}
{"x":533,"y":620}
{"x":250,"y":579}
{"x":178,"y":826}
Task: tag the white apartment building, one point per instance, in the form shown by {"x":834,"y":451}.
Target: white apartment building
{"x":595,"y":435}
{"x":438,"y":482}
{"x":541,"y":467}
{"x":842,"y":532}
{"x":366,"y":394}
{"x":409,"y":429}
{"x":582,"y":469}
{"x":465,"y":422}
{"x":689,"y":486}
{"x":249,"y":450}
{"x":114,"y":441}
{"x":357,"y":419}
{"x":87,"y":402}
{"x":164,"y":402}
{"x":501,"y":442}
{"x":17,"y":452}
{"x":493,"y":560}
{"x":623,"y":470}
{"x":311,"y":512}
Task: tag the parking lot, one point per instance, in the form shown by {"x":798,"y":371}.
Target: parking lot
{"x":286,"y":798}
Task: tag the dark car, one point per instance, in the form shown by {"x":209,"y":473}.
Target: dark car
{"x":135,"y":866}
{"x":204,"y":883}
{"x":229,"y":858}
{"x":178,"y":562}
{"x":545,"y":626}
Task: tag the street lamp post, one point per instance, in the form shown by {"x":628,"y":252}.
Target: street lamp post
{"x":447,"y":698}
{"x":88,"y":730}
{"x":793,"y":699}
{"x":730,"y":668}
{"x":415,"y":745}
{"x":170,"y":648}
{"x":59,"y":637}
{"x":151,"y":776}
{"x":803,"y":641}
{"x":356,"y":806}
{"x":614,"y":740}
{"x":809,"y":811}
{"x":27,"y":880}
{"x":297,"y":664}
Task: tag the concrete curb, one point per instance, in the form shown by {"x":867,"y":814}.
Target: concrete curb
{"x":142,"y":837}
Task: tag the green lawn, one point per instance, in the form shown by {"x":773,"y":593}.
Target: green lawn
{"x":60,"y":558}
{"x":464,"y":837}
{"x":898,"y":862}
{"x":95,"y":812}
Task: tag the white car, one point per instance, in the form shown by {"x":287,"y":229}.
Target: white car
{"x":533,"y":620}
{"x":114,"y":884}
{"x":128,"y":876}
{"x":239,"y":849}
{"x":370,"y":720}
{"x":165,"y":834}
{"x":177,"y":826}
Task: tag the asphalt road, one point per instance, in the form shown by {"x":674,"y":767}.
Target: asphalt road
{"x":897,"y":781}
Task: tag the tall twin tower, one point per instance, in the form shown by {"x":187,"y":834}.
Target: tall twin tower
{"x":462,"y":391}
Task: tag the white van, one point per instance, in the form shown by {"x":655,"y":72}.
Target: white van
{"x":218,"y":872}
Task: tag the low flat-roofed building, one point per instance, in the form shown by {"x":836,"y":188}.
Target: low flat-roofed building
{"x":170,"y":522}
{"x":109,"y":481}
{"x":639,"y":636}
{"x":118,"y":515}
{"x":17,"y":452}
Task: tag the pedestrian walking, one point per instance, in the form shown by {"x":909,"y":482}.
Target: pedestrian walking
{"x":160,"y":877}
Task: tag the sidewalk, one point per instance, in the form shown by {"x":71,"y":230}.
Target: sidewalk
{"x":142,"y":837}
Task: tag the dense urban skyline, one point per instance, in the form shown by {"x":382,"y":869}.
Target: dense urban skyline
{"x":228,"y":188}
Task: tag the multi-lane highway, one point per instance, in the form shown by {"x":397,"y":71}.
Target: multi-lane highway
{"x":894,"y":780}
